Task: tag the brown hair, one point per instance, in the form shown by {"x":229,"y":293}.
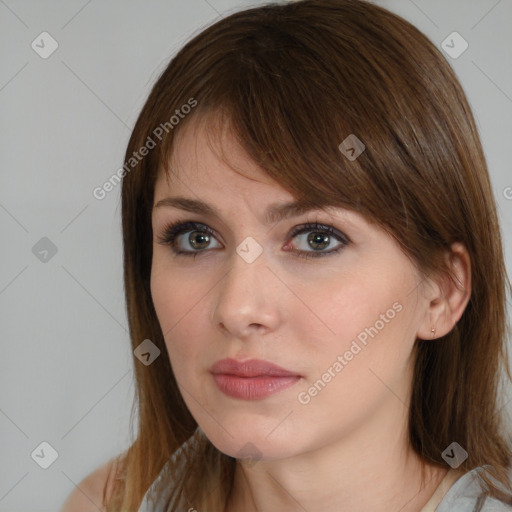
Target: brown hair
{"x":293,"y":81}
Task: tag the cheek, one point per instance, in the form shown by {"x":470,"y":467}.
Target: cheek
{"x":178,"y":305}
{"x":369,"y":326}
{"x":174,"y":296}
{"x":354,"y":369}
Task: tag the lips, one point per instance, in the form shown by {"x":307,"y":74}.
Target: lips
{"x":253,"y":379}
{"x":250,"y":368}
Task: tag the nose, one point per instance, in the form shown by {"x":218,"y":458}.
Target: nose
{"x":249,"y":298}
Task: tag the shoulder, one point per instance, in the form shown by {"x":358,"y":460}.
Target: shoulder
{"x":88,"y":495}
{"x":494,"y":505}
{"x":467,"y":495}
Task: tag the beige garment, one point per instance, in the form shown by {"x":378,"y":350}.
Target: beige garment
{"x":442,"y":489}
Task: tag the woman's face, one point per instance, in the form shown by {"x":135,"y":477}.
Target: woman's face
{"x":342,"y":323}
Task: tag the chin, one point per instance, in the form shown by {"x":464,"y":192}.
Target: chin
{"x":252,"y":444}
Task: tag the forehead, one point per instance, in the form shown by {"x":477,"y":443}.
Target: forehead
{"x":214,"y":176}
{"x":207,"y":152}
{"x":209,"y":172}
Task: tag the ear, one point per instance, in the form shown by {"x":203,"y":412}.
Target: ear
{"x":448,"y":295}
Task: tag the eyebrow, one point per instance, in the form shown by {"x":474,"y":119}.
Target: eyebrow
{"x":275,"y":212}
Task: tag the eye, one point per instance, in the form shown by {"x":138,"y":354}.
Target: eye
{"x":319,"y":238}
{"x":199,"y":237}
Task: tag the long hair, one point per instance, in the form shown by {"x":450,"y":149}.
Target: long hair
{"x":293,"y":81}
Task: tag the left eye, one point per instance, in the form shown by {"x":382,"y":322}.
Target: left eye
{"x":319,"y":238}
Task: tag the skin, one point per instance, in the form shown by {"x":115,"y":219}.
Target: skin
{"x":348,"y":445}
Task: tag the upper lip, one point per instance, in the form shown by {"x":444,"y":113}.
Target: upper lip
{"x":250,"y":368}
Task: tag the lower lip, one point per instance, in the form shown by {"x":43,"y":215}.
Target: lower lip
{"x":253,"y":388}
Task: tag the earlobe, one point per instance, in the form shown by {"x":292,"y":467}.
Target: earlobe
{"x":451,"y":296}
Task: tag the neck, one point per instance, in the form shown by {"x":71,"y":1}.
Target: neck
{"x":402,"y":490}
{"x":363,"y":471}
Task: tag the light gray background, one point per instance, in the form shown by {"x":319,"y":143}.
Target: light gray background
{"x":66,"y":364}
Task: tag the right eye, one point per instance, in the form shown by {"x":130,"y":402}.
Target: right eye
{"x":199,"y":239}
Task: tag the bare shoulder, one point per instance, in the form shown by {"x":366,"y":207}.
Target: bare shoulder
{"x":88,"y":495}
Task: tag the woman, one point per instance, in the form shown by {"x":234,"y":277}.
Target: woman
{"x":311,"y":242}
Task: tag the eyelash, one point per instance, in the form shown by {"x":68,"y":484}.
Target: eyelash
{"x":173,"y":230}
